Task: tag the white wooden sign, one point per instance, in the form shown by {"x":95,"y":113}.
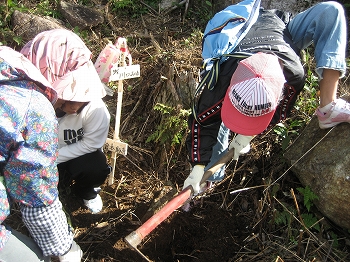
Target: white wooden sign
{"x":115,"y":145}
{"x":124,"y":72}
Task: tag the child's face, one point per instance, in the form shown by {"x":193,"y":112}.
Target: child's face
{"x":59,"y":103}
{"x":69,"y":107}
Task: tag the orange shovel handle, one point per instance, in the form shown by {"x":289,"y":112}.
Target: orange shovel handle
{"x":135,"y":237}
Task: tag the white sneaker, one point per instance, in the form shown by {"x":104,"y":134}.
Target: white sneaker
{"x":339,"y":113}
{"x":74,"y":254}
{"x":94,"y":205}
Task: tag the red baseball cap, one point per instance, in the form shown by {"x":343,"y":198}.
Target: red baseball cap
{"x":253,"y":95}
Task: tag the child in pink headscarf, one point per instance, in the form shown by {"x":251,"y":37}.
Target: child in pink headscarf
{"x":65,"y":61}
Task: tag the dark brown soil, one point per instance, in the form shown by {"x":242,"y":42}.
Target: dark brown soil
{"x":220,"y":226}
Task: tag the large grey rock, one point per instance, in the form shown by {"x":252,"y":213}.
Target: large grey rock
{"x":166,"y":4}
{"x":28,"y":26}
{"x":325,"y":169}
{"x":79,"y":15}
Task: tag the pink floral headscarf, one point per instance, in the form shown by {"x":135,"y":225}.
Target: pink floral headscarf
{"x":65,"y":61}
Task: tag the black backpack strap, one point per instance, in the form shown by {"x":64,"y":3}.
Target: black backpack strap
{"x":210,"y":79}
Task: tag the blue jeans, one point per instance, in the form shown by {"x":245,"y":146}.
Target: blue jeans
{"x":324,"y":25}
{"x":220,"y":148}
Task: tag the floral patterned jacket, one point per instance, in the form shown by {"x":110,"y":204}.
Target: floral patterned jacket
{"x":28,"y":131}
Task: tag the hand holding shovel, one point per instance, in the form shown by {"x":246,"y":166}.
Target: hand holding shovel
{"x":135,"y":237}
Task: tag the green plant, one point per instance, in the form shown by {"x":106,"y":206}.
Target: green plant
{"x":133,"y":8}
{"x":195,"y":38}
{"x":281,"y":130}
{"x":173,"y":125}
{"x":308,"y":100}
{"x":309,"y":196}
{"x":287,"y":216}
{"x":46,"y":8}
{"x":83,"y":34}
{"x":283,"y":217}
{"x":309,"y":219}
{"x":120,"y":4}
{"x":10,"y":6}
{"x":286,"y":130}
{"x":6,"y":35}
{"x":201,"y":13}
{"x":334,"y":237}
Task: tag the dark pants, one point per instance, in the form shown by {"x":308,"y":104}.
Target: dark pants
{"x":84,"y":173}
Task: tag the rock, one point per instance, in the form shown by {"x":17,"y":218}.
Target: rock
{"x":166,"y":4}
{"x":28,"y":26}
{"x":79,"y":15}
{"x":325,"y":169}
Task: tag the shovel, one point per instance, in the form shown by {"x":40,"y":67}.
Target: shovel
{"x":135,"y":237}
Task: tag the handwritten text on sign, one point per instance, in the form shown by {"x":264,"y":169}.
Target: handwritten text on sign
{"x":124,"y":72}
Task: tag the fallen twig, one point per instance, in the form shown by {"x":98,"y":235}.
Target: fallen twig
{"x":149,"y":7}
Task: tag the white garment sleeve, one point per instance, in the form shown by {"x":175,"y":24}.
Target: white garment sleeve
{"x":96,"y":125}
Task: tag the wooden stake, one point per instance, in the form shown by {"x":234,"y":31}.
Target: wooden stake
{"x":116,"y":144}
{"x":119,"y":72}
